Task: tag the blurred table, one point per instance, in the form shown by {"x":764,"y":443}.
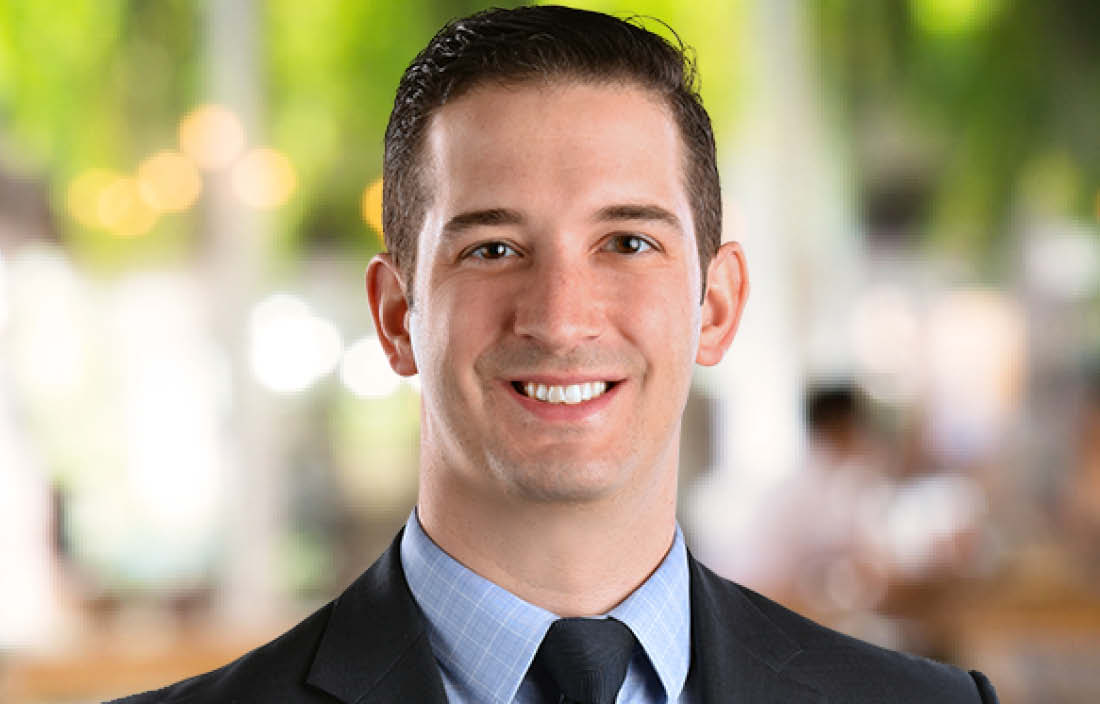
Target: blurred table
{"x":104,"y":668}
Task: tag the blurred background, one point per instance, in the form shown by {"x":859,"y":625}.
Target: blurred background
{"x":201,"y":442}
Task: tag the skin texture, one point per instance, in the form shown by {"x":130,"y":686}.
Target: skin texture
{"x":536,"y":263}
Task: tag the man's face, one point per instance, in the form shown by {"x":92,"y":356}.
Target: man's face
{"x":558,"y":251}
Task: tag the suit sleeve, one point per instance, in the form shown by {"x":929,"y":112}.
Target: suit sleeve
{"x":985,"y":688}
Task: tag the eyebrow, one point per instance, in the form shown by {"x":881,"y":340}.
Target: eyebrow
{"x":611,"y":213}
{"x":643,"y":212}
{"x":476,"y":218}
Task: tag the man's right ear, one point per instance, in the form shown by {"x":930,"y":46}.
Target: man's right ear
{"x":389,"y":306}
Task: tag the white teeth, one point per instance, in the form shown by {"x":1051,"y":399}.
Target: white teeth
{"x":571,"y":394}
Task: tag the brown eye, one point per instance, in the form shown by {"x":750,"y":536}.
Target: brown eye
{"x":629,"y":244}
{"x":491,"y":250}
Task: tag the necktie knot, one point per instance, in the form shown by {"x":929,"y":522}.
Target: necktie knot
{"x":587,"y":658}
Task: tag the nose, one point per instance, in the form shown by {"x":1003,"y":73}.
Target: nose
{"x":559,"y":305}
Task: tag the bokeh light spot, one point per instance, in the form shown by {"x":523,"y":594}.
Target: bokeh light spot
{"x":290,"y":347}
{"x":169,"y":182}
{"x":366,"y":372}
{"x":84,"y":193}
{"x":212,"y":135}
{"x":123,"y":211}
{"x":264,"y":178}
{"x":372,"y":207}
{"x":952,"y":17}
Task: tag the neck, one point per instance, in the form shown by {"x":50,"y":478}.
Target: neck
{"x":570,"y":558}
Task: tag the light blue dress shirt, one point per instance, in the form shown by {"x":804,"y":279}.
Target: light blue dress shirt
{"x":484,"y":637}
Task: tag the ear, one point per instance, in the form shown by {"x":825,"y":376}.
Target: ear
{"x":389,"y":306}
{"x":723,"y":301}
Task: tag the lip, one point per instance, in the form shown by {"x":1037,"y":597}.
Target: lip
{"x":564,"y":412}
{"x":551,"y":380}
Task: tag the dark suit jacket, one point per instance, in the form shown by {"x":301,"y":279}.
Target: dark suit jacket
{"x":370,"y":646}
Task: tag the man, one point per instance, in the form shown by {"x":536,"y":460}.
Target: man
{"x":553,"y":219}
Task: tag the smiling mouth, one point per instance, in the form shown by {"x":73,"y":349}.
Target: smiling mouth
{"x":570,"y":394}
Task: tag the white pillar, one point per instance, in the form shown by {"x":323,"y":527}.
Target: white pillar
{"x":789,"y":212}
{"x":234,"y":250}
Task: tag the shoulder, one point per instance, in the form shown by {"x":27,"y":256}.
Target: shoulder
{"x":844,"y":668}
{"x":370,"y":639}
{"x":836,"y":663}
{"x":269,"y":673}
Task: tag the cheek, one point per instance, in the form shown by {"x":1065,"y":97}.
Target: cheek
{"x":663,"y":318}
{"x":455,"y":327}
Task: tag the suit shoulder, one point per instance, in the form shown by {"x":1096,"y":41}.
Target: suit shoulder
{"x":842,"y":666}
{"x":835,"y":665}
{"x":264,"y":674}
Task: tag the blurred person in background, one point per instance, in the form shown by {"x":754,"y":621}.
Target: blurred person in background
{"x":843,"y":490}
{"x":553,"y":218}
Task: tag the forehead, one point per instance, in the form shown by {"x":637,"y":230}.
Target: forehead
{"x":562,"y":144}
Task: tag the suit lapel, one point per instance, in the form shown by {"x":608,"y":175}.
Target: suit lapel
{"x":375,"y":647}
{"x":738,"y":654}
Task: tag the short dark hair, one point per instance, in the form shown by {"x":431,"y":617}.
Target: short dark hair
{"x":541,"y":42}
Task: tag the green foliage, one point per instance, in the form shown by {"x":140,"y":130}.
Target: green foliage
{"x":94,"y":83}
{"x":104,"y":83}
{"x":990,"y":88}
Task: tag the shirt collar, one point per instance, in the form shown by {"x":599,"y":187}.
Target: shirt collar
{"x":659,"y":614}
{"x":485,"y":637}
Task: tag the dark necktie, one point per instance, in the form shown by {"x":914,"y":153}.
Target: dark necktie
{"x":586,"y":658}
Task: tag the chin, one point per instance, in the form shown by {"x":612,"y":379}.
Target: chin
{"x":570,"y":482}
